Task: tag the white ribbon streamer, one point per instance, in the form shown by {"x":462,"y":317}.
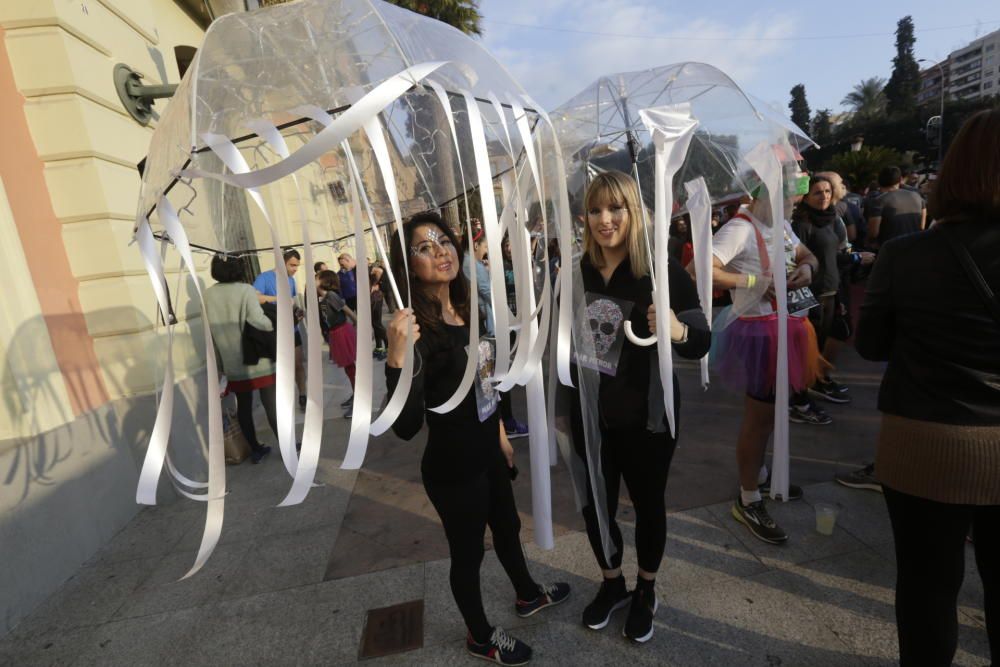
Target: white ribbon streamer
{"x":699,"y":206}
{"x":471,"y":363}
{"x":285,"y":362}
{"x":764,"y":162}
{"x":672,"y":128}
{"x":216,"y":451}
{"x":312,"y":431}
{"x":152,"y":464}
{"x":333,"y":134}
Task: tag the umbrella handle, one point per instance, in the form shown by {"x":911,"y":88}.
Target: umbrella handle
{"x":641,"y":342}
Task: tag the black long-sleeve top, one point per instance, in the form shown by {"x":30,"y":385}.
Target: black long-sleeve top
{"x":459,"y":446}
{"x":626,"y":397}
{"x":923,"y":315}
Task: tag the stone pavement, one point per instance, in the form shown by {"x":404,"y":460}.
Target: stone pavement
{"x":292,"y":586}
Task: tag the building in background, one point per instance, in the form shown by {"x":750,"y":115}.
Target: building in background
{"x":970,"y":72}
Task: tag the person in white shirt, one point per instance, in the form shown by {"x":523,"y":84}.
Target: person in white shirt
{"x":746,"y":350}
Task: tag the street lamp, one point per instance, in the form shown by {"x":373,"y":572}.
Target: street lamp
{"x":941,"y":114}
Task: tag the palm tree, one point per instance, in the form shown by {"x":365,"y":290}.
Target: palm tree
{"x":462,"y":14}
{"x":867,"y":99}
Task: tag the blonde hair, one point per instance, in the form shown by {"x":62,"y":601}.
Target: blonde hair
{"x":615,"y":187}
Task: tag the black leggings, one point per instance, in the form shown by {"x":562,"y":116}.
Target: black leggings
{"x":465,"y":508}
{"x":642,"y":459}
{"x":381,"y":336}
{"x":930,"y":566}
{"x":822,"y":318}
{"x":244,"y":413}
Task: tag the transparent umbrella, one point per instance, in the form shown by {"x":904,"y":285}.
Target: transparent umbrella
{"x":691,"y":138}
{"x":325,"y":123}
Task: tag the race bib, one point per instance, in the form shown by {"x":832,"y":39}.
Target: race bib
{"x":801,"y":301}
{"x":605,"y":319}
{"x":487,"y":397}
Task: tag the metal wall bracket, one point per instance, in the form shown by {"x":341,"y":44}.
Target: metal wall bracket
{"x":137,"y":98}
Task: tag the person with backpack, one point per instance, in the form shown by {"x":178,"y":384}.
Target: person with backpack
{"x":337,"y":323}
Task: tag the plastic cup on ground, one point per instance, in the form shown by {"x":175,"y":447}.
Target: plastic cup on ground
{"x":826,"y":518}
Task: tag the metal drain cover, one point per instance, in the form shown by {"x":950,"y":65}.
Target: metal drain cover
{"x":393,"y":629}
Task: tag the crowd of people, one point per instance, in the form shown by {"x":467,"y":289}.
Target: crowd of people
{"x":929,"y":310}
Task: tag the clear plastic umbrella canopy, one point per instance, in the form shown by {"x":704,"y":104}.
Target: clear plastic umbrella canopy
{"x":601,"y":127}
{"x":330,"y":122}
{"x":690,"y":137}
{"x":274,"y":65}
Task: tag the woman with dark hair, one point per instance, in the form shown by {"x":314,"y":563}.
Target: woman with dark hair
{"x":232,"y":305}
{"x":468,"y":462}
{"x":636,"y":445}
{"x":931,"y":311}
{"x":337,"y":323}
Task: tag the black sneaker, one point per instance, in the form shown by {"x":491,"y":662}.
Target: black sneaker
{"x":639,"y":626}
{"x":794,"y":490}
{"x":828,"y":390}
{"x":864,"y":478}
{"x":755,"y":517}
{"x":611,"y":596}
{"x":501,"y":649}
{"x":259,"y":452}
{"x":808,"y":414}
{"x":551,"y":595}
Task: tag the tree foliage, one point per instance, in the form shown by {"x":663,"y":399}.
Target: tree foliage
{"x":799,"y":107}
{"x":461,"y":14}
{"x":863,"y":166}
{"x":901,"y":91}
{"x":867,"y":98}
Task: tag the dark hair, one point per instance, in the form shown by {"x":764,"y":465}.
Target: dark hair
{"x":427,"y":308}
{"x":316,"y":266}
{"x":291,"y":252}
{"x":889,"y":176}
{"x":968,"y":183}
{"x":813,"y":180}
{"x":227,"y":269}
{"x":329,"y":280}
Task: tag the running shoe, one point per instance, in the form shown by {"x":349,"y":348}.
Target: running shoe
{"x":828,"y":390}
{"x":611,"y":596}
{"x":514,"y":428}
{"x":551,"y":595}
{"x":808,"y":414}
{"x":863,"y":478}
{"x":639,"y":625}
{"x":501,"y":649}
{"x":760,"y":524}
{"x":259,"y":452}
{"x":348,"y":403}
{"x":794,"y":490}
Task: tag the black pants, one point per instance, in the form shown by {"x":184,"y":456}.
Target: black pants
{"x":822,"y":318}
{"x":930,"y":566}
{"x":381,"y":336}
{"x":466,"y":508}
{"x":642,"y":459}
{"x":244,"y":413}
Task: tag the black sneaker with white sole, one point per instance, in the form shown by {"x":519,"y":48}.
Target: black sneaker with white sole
{"x":808,"y":414}
{"x":760,"y":524}
{"x":829,"y":391}
{"x":794,"y":490}
{"x":863,"y":478}
{"x":501,"y":649}
{"x":639,"y":625}
{"x":612,"y":596}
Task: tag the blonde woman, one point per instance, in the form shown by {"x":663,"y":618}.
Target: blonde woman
{"x":636,"y":445}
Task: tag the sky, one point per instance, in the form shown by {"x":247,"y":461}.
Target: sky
{"x":555,"y":48}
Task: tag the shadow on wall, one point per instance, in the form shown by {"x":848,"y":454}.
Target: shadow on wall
{"x":35,"y":406}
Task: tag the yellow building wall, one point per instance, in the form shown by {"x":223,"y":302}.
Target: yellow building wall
{"x":63,"y":53}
